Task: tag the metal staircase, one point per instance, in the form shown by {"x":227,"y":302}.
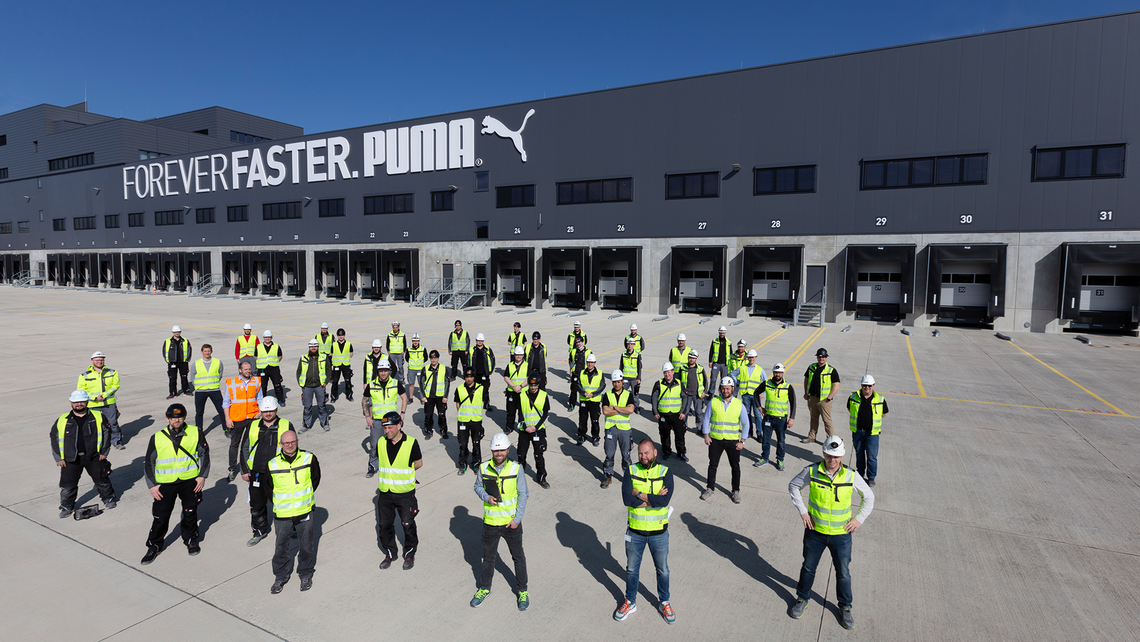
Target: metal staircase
{"x":427,"y":295}
{"x":451,"y":294}
{"x":810,"y":312}
{"x":27,"y":278}
{"x":205,"y":285}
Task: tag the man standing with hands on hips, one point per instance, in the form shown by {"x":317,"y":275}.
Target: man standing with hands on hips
{"x":80,"y":440}
{"x":819,"y":390}
{"x":504,"y":494}
{"x":646,"y":490}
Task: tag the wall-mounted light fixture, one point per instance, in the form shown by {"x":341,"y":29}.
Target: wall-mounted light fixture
{"x":736,"y":167}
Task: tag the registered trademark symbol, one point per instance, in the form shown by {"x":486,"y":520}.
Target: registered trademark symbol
{"x":478,"y":162}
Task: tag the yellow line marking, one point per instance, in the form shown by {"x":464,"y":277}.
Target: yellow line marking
{"x":803,"y":347}
{"x":1007,"y":405}
{"x":917,"y":378}
{"x":1096,"y":396}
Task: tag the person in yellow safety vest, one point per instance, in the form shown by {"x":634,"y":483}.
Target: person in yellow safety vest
{"x":341,"y":356}
{"x":471,"y":400}
{"x":617,"y":406}
{"x":261,"y":443}
{"x":749,"y":378}
{"x":631,"y":370}
{"x":176,"y":352}
{"x":370,"y":361}
{"x":293,"y":478}
{"x":416,"y":357}
{"x":482,"y":360}
{"x":819,"y":390}
{"x":536,"y":359}
{"x":668,"y":403}
{"x":695,"y":384}
{"x":867,"y":408}
{"x":590,"y":386}
{"x":435,"y":384}
{"x":516,"y":338}
{"x":638,"y":340}
{"x":679,"y":354}
{"x":245,"y":347}
{"x":80,"y":441}
{"x":725,"y":427}
{"x":458,"y":346}
{"x":646,"y":490}
{"x":575,"y":334}
{"x":268,"y":363}
{"x":313,"y":371}
{"x":385,"y":394}
{"x":578,"y":355}
{"x":778,"y":410}
{"x":176,"y":466}
{"x":501,"y":486}
{"x":240,"y":403}
{"x":515,"y":375}
{"x":324,"y":339}
{"x":532,"y":430}
{"x":101,"y":383}
{"x":720,"y":352}
{"x":828,"y":523}
{"x":738,"y":358}
{"x":207,"y":382}
{"x":400,"y":458}
{"x":395,"y":343}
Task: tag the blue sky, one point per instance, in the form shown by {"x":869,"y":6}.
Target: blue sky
{"x":333,"y":65}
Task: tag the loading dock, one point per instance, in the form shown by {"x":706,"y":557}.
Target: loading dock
{"x":965,"y":284}
{"x":150,"y":270}
{"x":770,"y":279}
{"x":262,"y":273}
{"x":195,"y":267}
{"x":1100,"y":286}
{"x":696,"y":282}
{"x":879,"y":281}
{"x":616,"y":277}
{"x":111,"y":269}
{"x":364,"y":271}
{"x":132,"y":269}
{"x":86,"y":270}
{"x":14,"y":264}
{"x":331,"y":273}
{"x":400,"y":273}
{"x":566,"y":276}
{"x":171,"y":275}
{"x":237,"y":272}
{"x":289,"y":272}
{"x":512,"y":275}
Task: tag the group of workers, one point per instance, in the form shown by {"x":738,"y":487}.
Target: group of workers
{"x":730,"y":400}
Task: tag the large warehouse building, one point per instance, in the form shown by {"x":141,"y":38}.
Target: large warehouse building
{"x":980,"y":180}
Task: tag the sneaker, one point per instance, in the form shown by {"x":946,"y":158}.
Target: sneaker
{"x":480,"y":595}
{"x":233,"y":475}
{"x":708,"y":492}
{"x":779,"y":465}
{"x":443,"y":434}
{"x":428,"y":434}
{"x":188,"y":393}
{"x":667,"y":613}
{"x":326,"y":427}
{"x":65,"y":512}
{"x":333,"y":400}
{"x":805,"y":440}
{"x":151,"y":553}
{"x":845,"y":618}
{"x":798,"y":609}
{"x":227,"y":432}
{"x":370,"y":474}
{"x":307,"y":583}
{"x":118,"y":447}
{"x":760,"y":462}
{"x":596,"y":441}
{"x":277,"y":587}
{"x":170,"y":396}
{"x":461,"y":471}
{"x":193,"y":548}
{"x":624,"y":611}
{"x":524,"y":600}
{"x":579,"y":441}
{"x":349,"y":397}
{"x":387,"y":563}
{"x":736,"y":497}
{"x":409,"y":562}
{"x":870,"y":482}
{"x":257,"y":537}
{"x":110,"y":503}
{"x":684,"y":458}
{"x":607,"y":481}
{"x":542,"y":482}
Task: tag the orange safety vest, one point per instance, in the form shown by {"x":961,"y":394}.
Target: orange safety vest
{"x":243,"y":397}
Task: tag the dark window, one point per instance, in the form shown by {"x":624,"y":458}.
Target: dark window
{"x":331,"y":207}
{"x":1128,"y":281}
{"x":204,"y":132}
{"x":3,"y":139}
{"x":610,"y":190}
{"x":135,"y":220}
{"x":925,"y":172}
{"x":83,"y":223}
{"x":204,"y":215}
{"x":236,"y":213}
{"x":482,"y":230}
{"x":239,"y":137}
{"x":704,"y":185}
{"x":390,"y":204}
{"x":168,"y":217}
{"x":1099,"y":161}
{"x":443,"y":201}
{"x":111,"y":221}
{"x":981,"y":278}
{"x":145,"y":155}
{"x":278,"y":211}
{"x":1101,"y":279}
{"x":3,"y":173}
{"x":78,"y":160}
{"x":59,"y":224}
{"x":6,"y":228}
{"x":514,"y":196}
{"x":961,"y":278}
{"x":482,"y":181}
{"x":22,"y":227}
{"x":783,"y":180}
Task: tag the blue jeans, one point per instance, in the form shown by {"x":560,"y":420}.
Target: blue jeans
{"x":866,"y":454}
{"x":840,"y":548}
{"x":634,"y":549}
{"x":753,"y":411}
{"x":780,"y":426}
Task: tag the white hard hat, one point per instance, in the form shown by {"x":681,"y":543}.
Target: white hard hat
{"x":779,"y":367}
{"x":415,"y":336}
{"x":681,"y":337}
{"x":693,"y":354}
{"x":500,"y":442}
{"x":633,"y":326}
{"x":176,"y":329}
{"x":834,"y":446}
{"x":591,"y":358}
{"x":519,"y":350}
{"x":314,"y":342}
{"x":868,"y":380}
{"x":383,"y":364}
{"x":79,"y":395}
{"x":395,"y":323}
{"x":377,"y":343}
{"x":668,"y":365}
{"x":616,"y":376}
{"x":98,"y":355}
{"x":324,"y":326}
{"x":727,"y":381}
{"x":722,"y":329}
{"x":267,"y":333}
{"x":268,"y":404}
{"x":247,"y":327}
{"x":577,"y":324}
{"x":751,"y":353}
{"x":742,"y":343}
{"x":479,"y":337}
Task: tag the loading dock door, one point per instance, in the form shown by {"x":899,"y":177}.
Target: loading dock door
{"x":365,"y":273}
{"x":966,"y":283}
{"x":770,"y":279}
{"x":512,"y":275}
{"x":236,"y":272}
{"x":400,"y":273}
{"x":1110,"y":287}
{"x":879,"y":281}
{"x":565,"y":276}
{"x":261,"y":273}
{"x":615,"y":275}
{"x":697,"y":278}
{"x":331,"y":273}
{"x":1100,"y":285}
{"x":290,"y":272}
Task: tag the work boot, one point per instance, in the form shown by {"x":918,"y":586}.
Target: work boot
{"x":110,"y":503}
{"x":277,"y":587}
{"x":257,"y":537}
{"x":542,"y":482}
{"x":233,"y":475}
{"x":65,"y":513}
{"x":607,"y":481}
{"x":409,"y":562}
{"x":387,"y":563}
{"x":193,"y":548}
{"x":151,"y":553}
{"x":307,"y":583}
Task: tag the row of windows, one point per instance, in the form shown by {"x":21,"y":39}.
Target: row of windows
{"x":1101,"y":161}
{"x":965,"y":278}
{"x":390,"y":204}
{"x":168,"y":217}
{"x":602,"y":191}
{"x":925,"y":172}
{"x":79,"y":160}
{"x":239,"y":137}
{"x":279,"y":211}
{"x":1104,"y":280}
{"x":84,"y":222}
{"x":880,"y":277}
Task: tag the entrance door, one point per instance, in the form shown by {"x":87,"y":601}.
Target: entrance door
{"x":480,"y":274}
{"x":816,"y":282}
{"x":448,"y":275}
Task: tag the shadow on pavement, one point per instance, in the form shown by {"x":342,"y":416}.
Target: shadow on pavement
{"x":598,"y":560}
{"x":743,"y":552}
{"x":468,"y":529}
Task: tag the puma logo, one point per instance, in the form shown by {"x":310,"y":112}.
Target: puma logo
{"x":492,"y":125}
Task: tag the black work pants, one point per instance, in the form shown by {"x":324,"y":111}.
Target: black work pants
{"x":273,"y":373}
{"x":474,"y":432}
{"x":538,"y":440}
{"x":458,"y":356}
{"x":337,"y":372}
{"x":69,"y":475}
{"x":514,"y":410}
{"x":491,"y":536}
{"x":670,"y":422}
{"x":200,"y":399}
{"x":728,"y":447}
{"x":258,"y":500}
{"x":387,"y":505}
{"x":173,"y":371}
{"x":435,"y":406}
{"x":236,"y":433}
{"x":306,"y":554}
{"x":591,"y":410}
{"x":162,"y":508}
